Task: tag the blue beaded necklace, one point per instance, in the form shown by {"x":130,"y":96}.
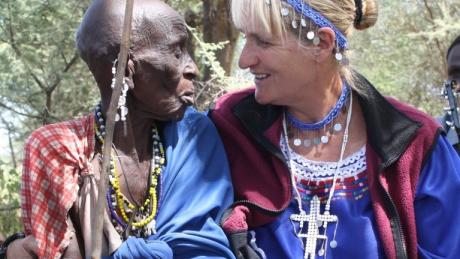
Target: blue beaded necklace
{"x":316,"y":137}
{"x":134,"y":219}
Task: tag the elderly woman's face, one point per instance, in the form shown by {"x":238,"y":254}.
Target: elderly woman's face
{"x":164,"y":71}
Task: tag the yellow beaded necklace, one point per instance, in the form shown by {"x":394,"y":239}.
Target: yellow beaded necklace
{"x":137,"y":220}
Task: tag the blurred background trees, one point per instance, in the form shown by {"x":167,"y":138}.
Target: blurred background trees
{"x":42,"y":80}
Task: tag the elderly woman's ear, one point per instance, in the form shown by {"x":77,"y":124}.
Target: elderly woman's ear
{"x":131,"y":70}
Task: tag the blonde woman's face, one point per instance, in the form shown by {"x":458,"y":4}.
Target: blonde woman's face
{"x":281,"y":67}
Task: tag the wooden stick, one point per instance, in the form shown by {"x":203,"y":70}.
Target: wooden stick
{"x":96,"y":247}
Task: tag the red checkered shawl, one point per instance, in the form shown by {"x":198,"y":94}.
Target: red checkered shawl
{"x":54,"y":157}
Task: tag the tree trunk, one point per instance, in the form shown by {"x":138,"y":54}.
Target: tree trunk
{"x":217,"y":27}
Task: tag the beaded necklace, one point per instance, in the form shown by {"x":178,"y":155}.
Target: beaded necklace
{"x":133,"y":219}
{"x":316,"y":222}
{"x":329,"y":124}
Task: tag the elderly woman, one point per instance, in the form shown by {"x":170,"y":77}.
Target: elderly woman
{"x":323,"y":165}
{"x":169,"y":177}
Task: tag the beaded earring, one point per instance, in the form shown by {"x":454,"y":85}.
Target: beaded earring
{"x":122,"y":108}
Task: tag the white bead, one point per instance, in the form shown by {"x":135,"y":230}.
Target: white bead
{"x":294,"y":24}
{"x":324,"y":139}
{"x":311,"y":35}
{"x":121,"y":101}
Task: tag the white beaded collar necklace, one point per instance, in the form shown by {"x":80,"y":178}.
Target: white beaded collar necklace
{"x":315,"y":220}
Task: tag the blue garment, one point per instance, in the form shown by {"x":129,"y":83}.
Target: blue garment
{"x":196,"y":189}
{"x":437,"y":211}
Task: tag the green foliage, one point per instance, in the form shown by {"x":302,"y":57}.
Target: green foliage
{"x":208,"y":92}
{"x":43,"y":80}
{"x":404,"y":54}
{"x":9,"y":200}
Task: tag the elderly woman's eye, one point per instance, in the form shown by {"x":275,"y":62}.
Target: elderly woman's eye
{"x":177,"y":52}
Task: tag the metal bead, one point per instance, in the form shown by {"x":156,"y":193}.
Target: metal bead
{"x":297,"y":142}
{"x":333,"y":244}
{"x":324,"y":139}
{"x":303,"y":22}
{"x":294,"y":24}
{"x":310,"y":35}
{"x":316,"y":141}
{"x":307,"y":142}
{"x":338,"y":56}
{"x":316,"y":41}
{"x":337,"y":127}
{"x":321,"y":252}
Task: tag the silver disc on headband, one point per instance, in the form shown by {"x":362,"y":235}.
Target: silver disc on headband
{"x":294,"y":24}
{"x":324,"y":139}
{"x":316,"y":41}
{"x":311,"y":35}
{"x":297,"y":142}
{"x":303,"y":22}
{"x":307,"y":142}
{"x":284,"y":11}
{"x":338,"y":56}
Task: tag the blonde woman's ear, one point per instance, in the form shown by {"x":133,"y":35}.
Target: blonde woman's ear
{"x":327,"y":43}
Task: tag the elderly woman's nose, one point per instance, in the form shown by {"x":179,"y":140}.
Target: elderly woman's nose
{"x":191,"y":70}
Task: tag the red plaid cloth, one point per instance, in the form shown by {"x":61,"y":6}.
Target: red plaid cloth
{"x":54,"y":156}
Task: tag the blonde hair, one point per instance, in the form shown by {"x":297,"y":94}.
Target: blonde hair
{"x":258,"y":15}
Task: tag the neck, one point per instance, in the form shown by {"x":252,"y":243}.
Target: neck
{"x":316,"y":102}
{"x":133,"y":136}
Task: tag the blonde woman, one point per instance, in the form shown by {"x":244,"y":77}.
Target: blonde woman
{"x":323,"y":165}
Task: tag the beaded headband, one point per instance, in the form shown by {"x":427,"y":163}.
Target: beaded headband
{"x":301,"y":7}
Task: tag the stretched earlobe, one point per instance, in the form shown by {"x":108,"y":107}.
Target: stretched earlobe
{"x":131,"y":70}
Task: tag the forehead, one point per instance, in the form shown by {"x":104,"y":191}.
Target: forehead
{"x":162,"y":26}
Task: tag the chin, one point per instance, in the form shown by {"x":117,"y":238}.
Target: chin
{"x":176,"y":115}
{"x":261,"y":99}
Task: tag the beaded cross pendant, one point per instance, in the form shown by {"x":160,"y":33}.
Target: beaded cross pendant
{"x":315,"y":221}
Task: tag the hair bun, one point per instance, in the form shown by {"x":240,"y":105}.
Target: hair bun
{"x":366,"y":17}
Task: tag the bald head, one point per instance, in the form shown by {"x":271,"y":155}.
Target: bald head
{"x":99,"y":34}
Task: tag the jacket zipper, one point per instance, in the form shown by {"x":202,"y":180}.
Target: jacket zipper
{"x":395,"y":221}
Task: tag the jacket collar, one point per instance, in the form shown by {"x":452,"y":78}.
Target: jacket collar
{"x":389,"y":131}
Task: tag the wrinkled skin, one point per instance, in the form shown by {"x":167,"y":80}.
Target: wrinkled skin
{"x":160,"y":73}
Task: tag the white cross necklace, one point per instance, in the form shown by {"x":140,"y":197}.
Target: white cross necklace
{"x":315,"y":220}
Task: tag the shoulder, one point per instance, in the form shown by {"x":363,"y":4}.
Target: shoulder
{"x":58,"y":136}
{"x":225,"y":103}
{"x":414,"y":113}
